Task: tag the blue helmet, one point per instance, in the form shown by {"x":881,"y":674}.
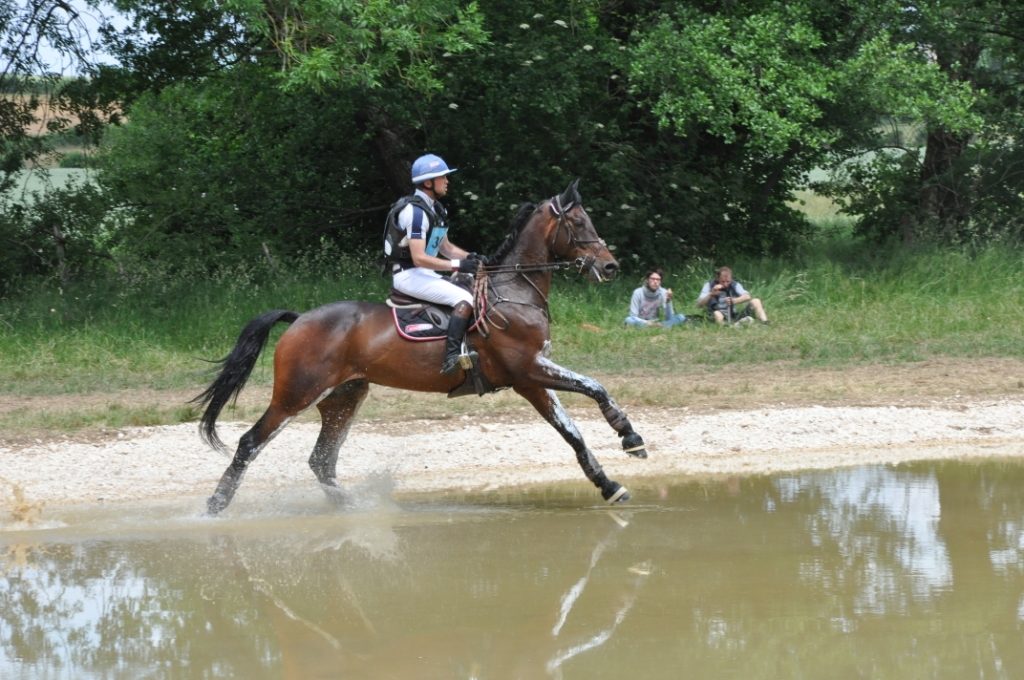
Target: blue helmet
{"x":428,"y":167}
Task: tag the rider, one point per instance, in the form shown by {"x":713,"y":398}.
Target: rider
{"x":417,"y":260}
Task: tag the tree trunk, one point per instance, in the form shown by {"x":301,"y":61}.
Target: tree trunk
{"x":60,"y":243}
{"x":941,"y":202}
{"x":393,"y":153}
{"x":943,"y":195}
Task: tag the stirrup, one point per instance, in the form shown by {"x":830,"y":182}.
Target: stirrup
{"x":463,"y":361}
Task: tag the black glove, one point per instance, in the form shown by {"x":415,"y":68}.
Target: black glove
{"x":469,"y":264}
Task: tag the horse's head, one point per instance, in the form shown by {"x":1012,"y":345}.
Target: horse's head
{"x":572,"y":236}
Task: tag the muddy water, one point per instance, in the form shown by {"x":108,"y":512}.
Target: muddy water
{"x":878,"y":572}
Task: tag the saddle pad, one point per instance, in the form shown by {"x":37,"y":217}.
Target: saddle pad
{"x":424,"y":322}
{"x":420,"y":323}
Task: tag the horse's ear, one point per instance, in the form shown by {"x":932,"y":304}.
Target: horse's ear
{"x":571,"y":195}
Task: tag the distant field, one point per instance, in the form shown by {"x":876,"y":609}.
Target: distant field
{"x":29,"y":181}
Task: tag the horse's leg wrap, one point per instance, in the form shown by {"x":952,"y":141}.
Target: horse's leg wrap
{"x":632,"y":443}
{"x":615,"y":416}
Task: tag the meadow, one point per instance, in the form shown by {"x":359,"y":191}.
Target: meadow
{"x":840,"y":305}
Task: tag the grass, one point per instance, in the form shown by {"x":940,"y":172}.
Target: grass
{"x":839,"y":304}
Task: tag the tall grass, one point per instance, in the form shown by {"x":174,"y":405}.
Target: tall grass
{"x":842,"y":303}
{"x":837,"y":304}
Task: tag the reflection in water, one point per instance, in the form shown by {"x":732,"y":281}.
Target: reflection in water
{"x":640,"y":571}
{"x":913,"y":571}
{"x":907,"y":562}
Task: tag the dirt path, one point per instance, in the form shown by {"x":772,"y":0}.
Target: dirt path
{"x":733,"y":423}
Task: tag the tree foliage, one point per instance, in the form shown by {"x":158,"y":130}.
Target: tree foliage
{"x":262,"y":128}
{"x":33,"y":35}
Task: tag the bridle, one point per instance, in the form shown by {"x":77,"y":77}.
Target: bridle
{"x":560,"y":212}
{"x":563,"y":224}
{"x":581,"y":264}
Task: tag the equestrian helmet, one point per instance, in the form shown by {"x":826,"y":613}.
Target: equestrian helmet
{"x":428,"y":167}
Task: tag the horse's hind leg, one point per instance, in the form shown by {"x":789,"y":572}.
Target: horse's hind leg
{"x":249,"y":446}
{"x":336,"y":412}
{"x":547,"y":404}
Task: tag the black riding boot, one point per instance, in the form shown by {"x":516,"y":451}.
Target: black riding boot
{"x":457,"y":325}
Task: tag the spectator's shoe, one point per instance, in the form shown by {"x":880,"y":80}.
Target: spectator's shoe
{"x":745,"y":321}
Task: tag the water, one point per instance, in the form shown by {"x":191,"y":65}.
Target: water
{"x":903,"y":572}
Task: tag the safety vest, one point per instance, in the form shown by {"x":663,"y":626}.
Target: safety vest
{"x":396,"y":241}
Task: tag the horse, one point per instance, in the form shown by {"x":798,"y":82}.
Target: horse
{"x":330,"y":355}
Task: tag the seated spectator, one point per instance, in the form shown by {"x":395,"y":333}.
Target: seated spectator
{"x":651,"y":305}
{"x":721,"y":295}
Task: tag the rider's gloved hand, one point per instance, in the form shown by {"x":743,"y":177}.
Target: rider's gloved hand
{"x":469,"y":264}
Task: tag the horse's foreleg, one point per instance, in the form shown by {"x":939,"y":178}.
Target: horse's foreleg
{"x":547,"y":404}
{"x":336,"y":412}
{"x":249,"y":446}
{"x":555,"y":377}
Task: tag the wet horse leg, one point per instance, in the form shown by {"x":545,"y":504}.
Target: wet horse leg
{"x":249,"y":446}
{"x":336,"y":412}
{"x":553,"y":376}
{"x":548,"y":405}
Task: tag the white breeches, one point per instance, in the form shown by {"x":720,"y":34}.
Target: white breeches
{"x":430,"y":286}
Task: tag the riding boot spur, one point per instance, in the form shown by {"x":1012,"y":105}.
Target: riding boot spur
{"x":457,"y":324}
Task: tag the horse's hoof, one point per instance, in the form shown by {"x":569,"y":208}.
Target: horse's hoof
{"x":616,"y":493}
{"x":334,"y":493}
{"x":633,"y":444}
{"x":214,"y":504}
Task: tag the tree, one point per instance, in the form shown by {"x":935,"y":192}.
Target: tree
{"x":31,"y":34}
{"x":956,"y":72}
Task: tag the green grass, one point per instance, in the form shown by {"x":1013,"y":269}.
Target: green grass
{"x":838,"y":305}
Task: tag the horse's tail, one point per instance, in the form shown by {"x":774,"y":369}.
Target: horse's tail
{"x":235,"y":370}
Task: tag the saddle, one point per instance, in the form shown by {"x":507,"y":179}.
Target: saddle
{"x":421,"y":321}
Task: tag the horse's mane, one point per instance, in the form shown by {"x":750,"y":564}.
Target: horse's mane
{"x":519,"y":219}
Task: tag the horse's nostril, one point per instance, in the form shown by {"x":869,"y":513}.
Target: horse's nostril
{"x":610,"y":268}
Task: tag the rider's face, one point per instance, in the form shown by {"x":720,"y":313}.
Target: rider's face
{"x":439,"y":185}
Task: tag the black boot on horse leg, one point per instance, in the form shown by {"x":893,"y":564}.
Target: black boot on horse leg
{"x":632,"y":443}
{"x":457,"y":325}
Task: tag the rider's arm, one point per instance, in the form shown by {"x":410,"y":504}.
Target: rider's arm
{"x":412,"y":220}
{"x":418,"y":252}
{"x":449,"y":249}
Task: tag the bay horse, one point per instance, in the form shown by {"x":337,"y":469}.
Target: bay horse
{"x":330,"y":355}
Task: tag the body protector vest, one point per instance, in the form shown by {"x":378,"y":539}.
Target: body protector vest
{"x":396,"y":240}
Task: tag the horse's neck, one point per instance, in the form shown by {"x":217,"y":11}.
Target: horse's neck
{"x":532,"y":251}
